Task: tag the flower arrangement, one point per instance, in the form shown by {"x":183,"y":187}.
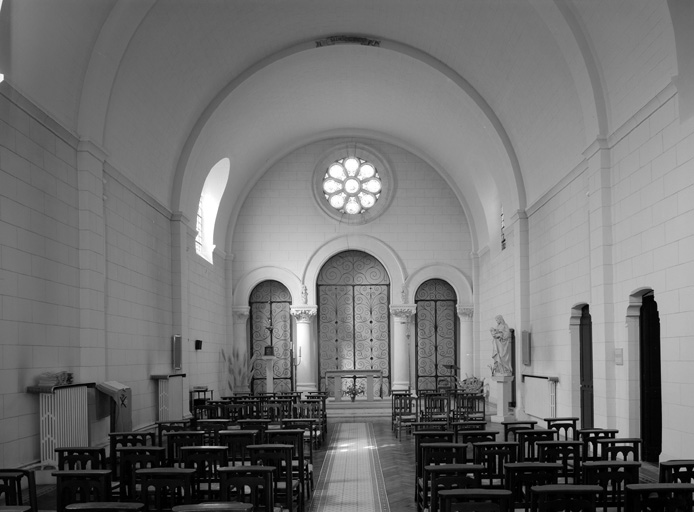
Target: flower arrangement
{"x":353,"y":390}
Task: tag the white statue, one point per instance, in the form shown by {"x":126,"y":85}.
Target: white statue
{"x":501,"y":353}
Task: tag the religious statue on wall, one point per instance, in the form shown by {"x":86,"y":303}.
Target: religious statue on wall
{"x":502,"y":335}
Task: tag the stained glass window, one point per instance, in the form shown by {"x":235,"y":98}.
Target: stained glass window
{"x":352,"y":185}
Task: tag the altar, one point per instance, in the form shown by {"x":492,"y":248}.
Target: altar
{"x":339,"y":374}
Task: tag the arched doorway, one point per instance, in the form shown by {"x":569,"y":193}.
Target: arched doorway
{"x":651,"y":401}
{"x":586,"y":360}
{"x":271,"y":329}
{"x":436,"y":334}
{"x":353,"y":290}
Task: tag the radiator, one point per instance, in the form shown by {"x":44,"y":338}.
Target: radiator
{"x":170,"y":396}
{"x":540,"y":396}
{"x":64,"y":421}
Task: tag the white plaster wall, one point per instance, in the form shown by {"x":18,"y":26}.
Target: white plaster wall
{"x":138,"y":293}
{"x":207,"y":322}
{"x":39,"y":276}
{"x":281,"y":225}
{"x":653,"y":194}
{"x":559,"y":263}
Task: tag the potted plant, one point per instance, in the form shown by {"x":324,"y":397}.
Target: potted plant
{"x":353,"y":390}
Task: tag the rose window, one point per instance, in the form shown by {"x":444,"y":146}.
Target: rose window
{"x":351,"y":185}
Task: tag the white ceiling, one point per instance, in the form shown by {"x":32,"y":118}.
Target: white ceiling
{"x":500,"y":96}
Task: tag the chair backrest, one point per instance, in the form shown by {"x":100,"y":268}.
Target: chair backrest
{"x":121,"y":439}
{"x":81,"y":457}
{"x":163,"y":427}
{"x":206,"y":461}
{"x":80,"y":486}
{"x":177,"y":439}
{"x":163,"y":488}
{"x":132,"y":458}
{"x":493,"y":456}
{"x":12,"y":483}
{"x":450,"y":477}
{"x":473,"y":500}
{"x":278,"y":456}
{"x":248,"y":483}
{"x":236,"y":442}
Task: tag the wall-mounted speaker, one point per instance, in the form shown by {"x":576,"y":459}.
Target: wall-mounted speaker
{"x":526,"y":348}
{"x":198,"y":344}
{"x":176,"y":352}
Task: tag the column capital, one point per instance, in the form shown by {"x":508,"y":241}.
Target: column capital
{"x":304,"y":314}
{"x":403,"y":310}
{"x":465,"y":312}
{"x":241,"y":313}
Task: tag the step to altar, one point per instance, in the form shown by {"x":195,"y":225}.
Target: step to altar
{"x":359,"y":408}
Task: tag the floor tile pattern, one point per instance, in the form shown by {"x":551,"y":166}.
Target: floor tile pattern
{"x":351,"y":478}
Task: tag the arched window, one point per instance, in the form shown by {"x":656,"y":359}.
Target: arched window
{"x":211,"y":195}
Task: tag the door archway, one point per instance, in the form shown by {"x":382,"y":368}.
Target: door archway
{"x":436,"y":350}
{"x":271,"y":328}
{"x":651,"y":396}
{"x":353,"y":290}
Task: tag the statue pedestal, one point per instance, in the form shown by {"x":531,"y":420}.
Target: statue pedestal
{"x":503,"y":397}
{"x":269,"y":373}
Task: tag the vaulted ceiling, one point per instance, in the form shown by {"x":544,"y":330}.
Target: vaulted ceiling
{"x":502,"y":97}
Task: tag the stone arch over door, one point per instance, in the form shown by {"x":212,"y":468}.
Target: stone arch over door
{"x":353,"y":291}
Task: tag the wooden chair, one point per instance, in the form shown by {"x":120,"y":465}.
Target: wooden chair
{"x":577,"y":498}
{"x":613,"y":476}
{"x":436,"y":454}
{"x":236,"y":442}
{"x":510,"y":427}
{"x":122,"y":439}
{"x":522,"y":476}
{"x":301,"y":466}
{"x":590,"y":437}
{"x":163,"y":488}
{"x":259,"y":424}
{"x":287,"y":489}
{"x":251,"y":484}
{"x":132,"y":458}
{"x":568,"y":453}
{"x":12,"y":485}
{"x":650,"y":497}
{"x":566,"y":427}
{"x":620,"y":448}
{"x":179,"y":438}
{"x":423,"y":437}
{"x":81,"y":485}
{"x":206,"y":461}
{"x":446,"y":477}
{"x":493,"y":456}
{"x":164,"y":427}
{"x":527,"y":439}
{"x":676,"y":471}
{"x":81,"y":457}
{"x":404,"y":414}
{"x":474,"y":500}
{"x":211,"y":429}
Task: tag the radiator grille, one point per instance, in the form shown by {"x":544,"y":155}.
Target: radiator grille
{"x":64,"y":421}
